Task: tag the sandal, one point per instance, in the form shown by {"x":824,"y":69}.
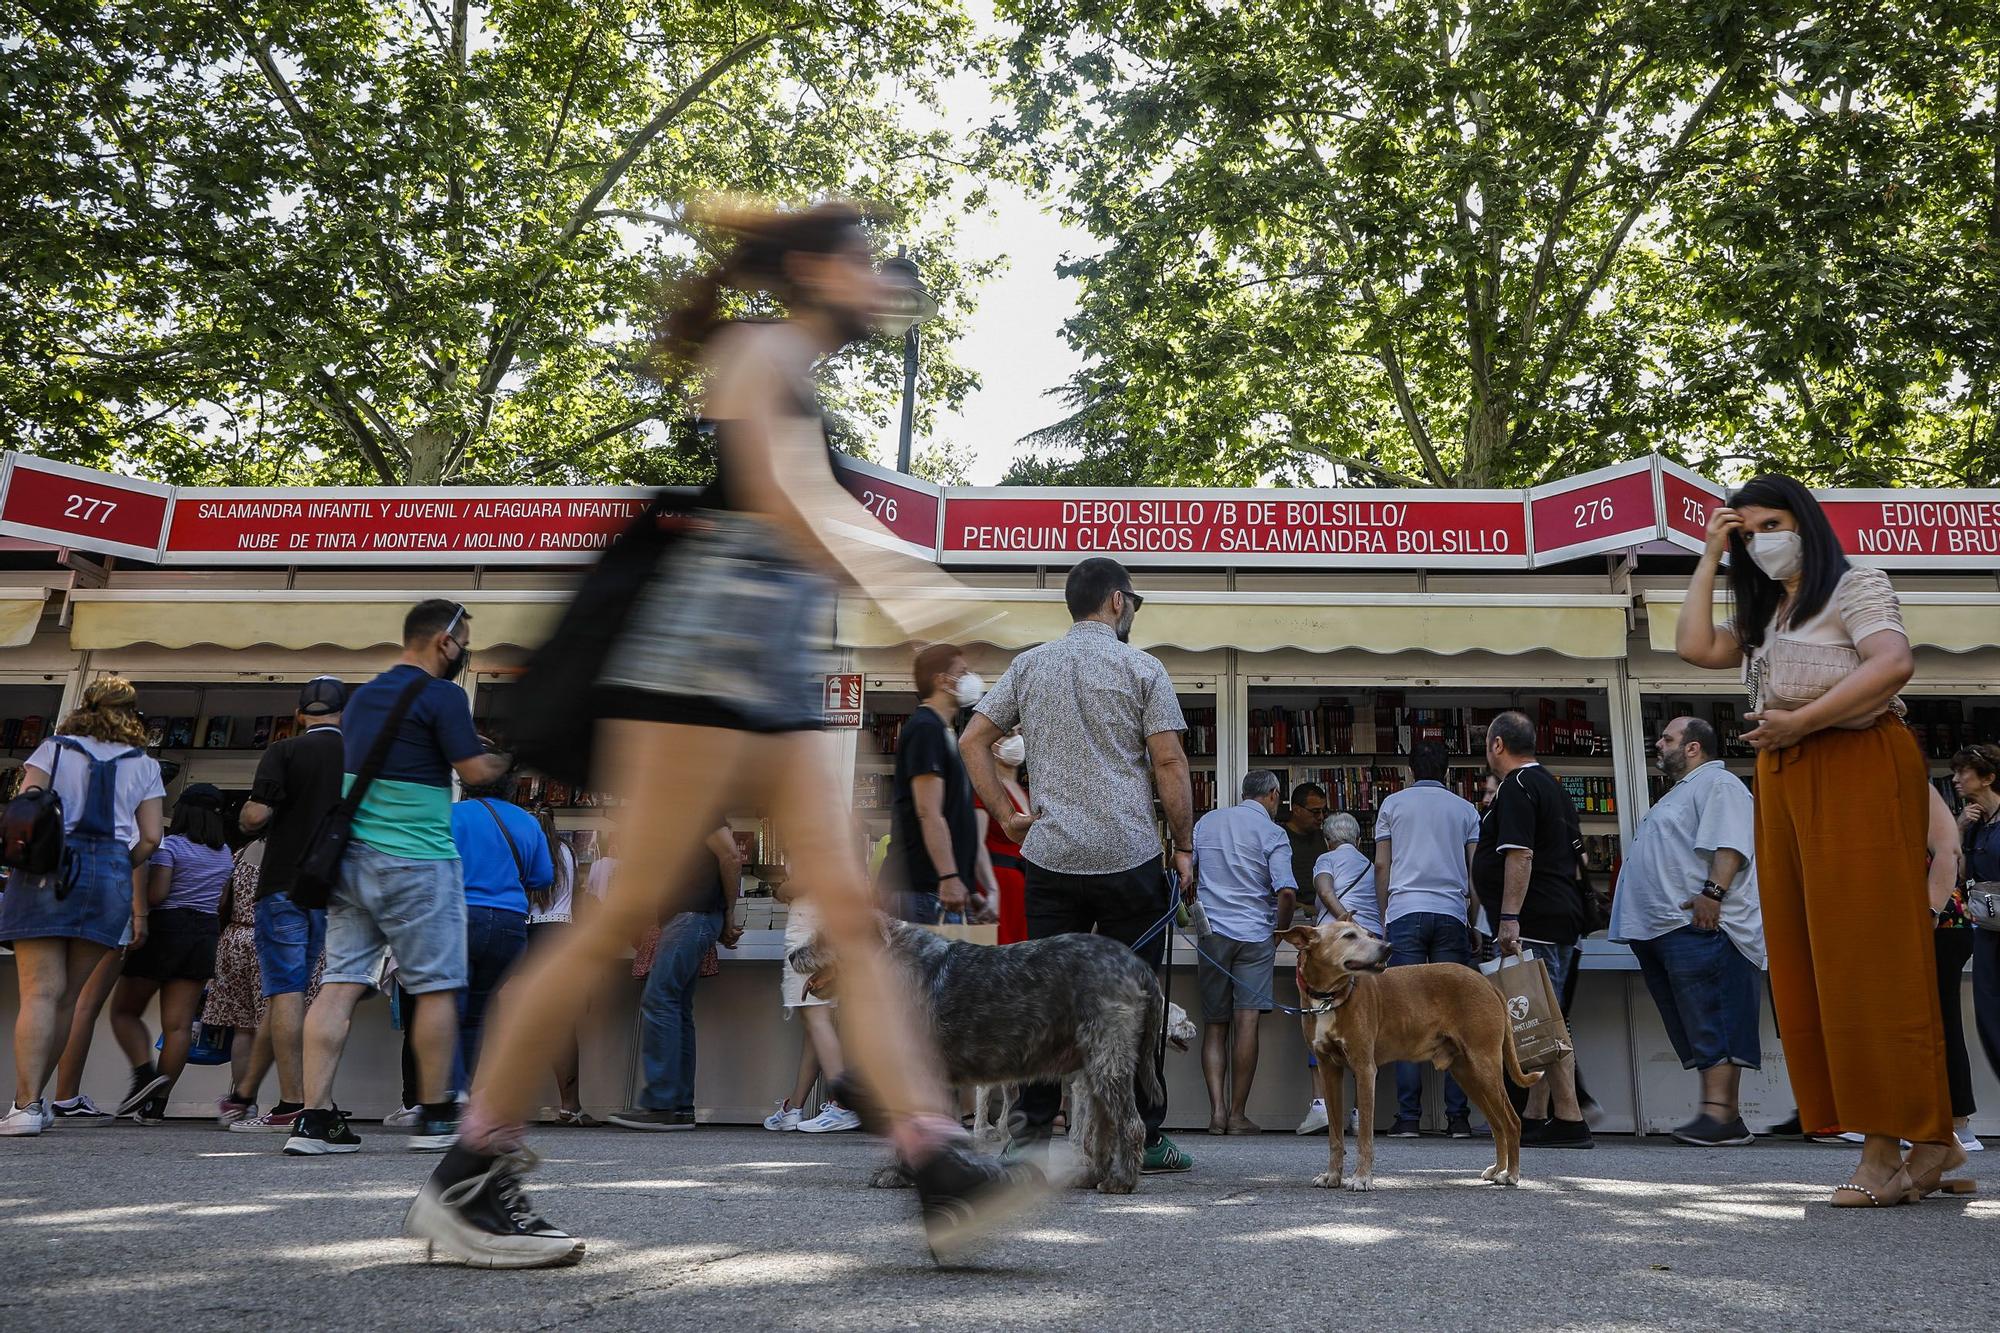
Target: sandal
{"x":1893,"y":1193}
{"x":1931,"y":1179}
{"x":578,"y":1120}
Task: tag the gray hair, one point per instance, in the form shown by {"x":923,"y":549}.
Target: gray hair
{"x":1259,"y":783}
{"x":1514,"y":731}
{"x":1339,"y":828}
{"x":1698,"y":731}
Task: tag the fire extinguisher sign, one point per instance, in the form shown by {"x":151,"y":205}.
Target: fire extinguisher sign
{"x":843,"y":702}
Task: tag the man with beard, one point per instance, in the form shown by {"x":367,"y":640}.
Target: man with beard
{"x":1687,"y":904}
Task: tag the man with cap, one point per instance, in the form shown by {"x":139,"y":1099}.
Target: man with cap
{"x":298,"y":781}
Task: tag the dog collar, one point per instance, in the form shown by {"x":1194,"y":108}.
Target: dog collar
{"x":1328,"y":1001}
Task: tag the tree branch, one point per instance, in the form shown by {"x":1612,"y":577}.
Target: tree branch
{"x":617,"y":428}
{"x":333,"y":401}
{"x":281,"y":87}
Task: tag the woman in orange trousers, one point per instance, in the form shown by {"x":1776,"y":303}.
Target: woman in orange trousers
{"x":1842,"y":823}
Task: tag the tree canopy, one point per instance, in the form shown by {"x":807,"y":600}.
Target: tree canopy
{"x":1477,"y":243}
{"x":393,"y":241}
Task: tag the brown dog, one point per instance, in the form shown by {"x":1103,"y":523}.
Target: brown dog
{"x":1365,"y":1016}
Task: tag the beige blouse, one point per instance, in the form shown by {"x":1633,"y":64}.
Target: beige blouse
{"x":1798,"y":663}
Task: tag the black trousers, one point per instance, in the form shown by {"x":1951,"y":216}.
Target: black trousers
{"x":1122,"y":907}
{"x":1986,"y":992}
{"x":1954,"y":947}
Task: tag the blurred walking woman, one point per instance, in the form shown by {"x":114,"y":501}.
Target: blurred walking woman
{"x":712,"y":693}
{"x":1842,"y":822}
{"x":111,"y":794}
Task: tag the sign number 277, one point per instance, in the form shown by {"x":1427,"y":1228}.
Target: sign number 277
{"x":89,"y":509}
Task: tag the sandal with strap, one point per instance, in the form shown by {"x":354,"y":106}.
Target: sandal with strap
{"x":1931,"y":1179}
{"x":1896,"y":1191}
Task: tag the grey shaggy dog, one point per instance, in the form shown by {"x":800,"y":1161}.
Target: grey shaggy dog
{"x":1040,"y":1011}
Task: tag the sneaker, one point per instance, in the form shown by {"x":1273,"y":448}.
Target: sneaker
{"x":832,"y":1118}
{"x":79,"y":1108}
{"x":577,"y":1119}
{"x":784,"y":1119}
{"x":964,"y":1196}
{"x":230,"y":1109}
{"x":152,"y":1111}
{"x":1029,"y":1151}
{"x":316,"y":1133}
{"x":1705,"y":1131}
{"x":272,"y":1121}
{"x":409,"y":1117}
{"x":641,"y":1118}
{"x":485,"y":1220}
{"x":432,"y":1135}
{"x":48,"y":1115}
{"x":1165,"y":1158}
{"x":1787,"y":1129}
{"x":1404,"y":1129}
{"x":145,"y":1082}
{"x":1458,"y":1127}
{"x":1560,"y":1134}
{"x":1969,"y":1140}
{"x":22,"y":1122}
{"x":1849,"y":1136}
{"x":1315,"y":1121}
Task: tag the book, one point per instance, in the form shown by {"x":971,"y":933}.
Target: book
{"x":221,"y":733}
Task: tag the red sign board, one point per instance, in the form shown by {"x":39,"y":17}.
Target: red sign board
{"x":1932,"y":528}
{"x":904,"y":505}
{"x":843,"y":702}
{"x":74,"y":506}
{"x":1606,"y":510}
{"x":1686,"y":503}
{"x":1007,"y":525}
{"x":386,"y":525}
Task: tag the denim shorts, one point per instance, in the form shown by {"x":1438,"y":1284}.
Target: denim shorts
{"x":290,"y":940}
{"x":1708,"y":995}
{"x":1238,"y":978}
{"x":416,"y":908}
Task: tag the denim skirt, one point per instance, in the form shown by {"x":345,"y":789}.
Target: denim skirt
{"x":98,"y":908}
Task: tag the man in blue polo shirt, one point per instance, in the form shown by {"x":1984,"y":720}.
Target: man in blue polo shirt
{"x":401,"y":884}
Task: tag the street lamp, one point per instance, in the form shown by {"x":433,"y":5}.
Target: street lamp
{"x":910,"y":306}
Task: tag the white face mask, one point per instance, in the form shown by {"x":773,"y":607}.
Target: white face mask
{"x":1011,"y":750}
{"x":1778,"y":554}
{"x":969,"y":689}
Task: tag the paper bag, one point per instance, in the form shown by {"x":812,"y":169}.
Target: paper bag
{"x":971,"y":934}
{"x":1541,"y":1038}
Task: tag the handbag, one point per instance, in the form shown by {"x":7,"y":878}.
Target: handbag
{"x":319,"y":866}
{"x":1982,"y":896}
{"x":556,"y":736}
{"x":1541,"y":1037}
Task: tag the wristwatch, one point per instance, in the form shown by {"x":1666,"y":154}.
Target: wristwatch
{"x":1710,"y":889}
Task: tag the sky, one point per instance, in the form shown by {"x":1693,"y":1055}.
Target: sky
{"x":1013,"y":339}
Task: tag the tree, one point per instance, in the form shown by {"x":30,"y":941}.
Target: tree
{"x":1470,"y":243}
{"x":394,"y":242}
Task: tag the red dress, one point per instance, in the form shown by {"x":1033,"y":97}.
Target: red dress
{"x":1010,"y":873}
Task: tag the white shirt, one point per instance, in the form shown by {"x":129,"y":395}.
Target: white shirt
{"x":559,"y":906}
{"x":1428,"y":827}
{"x":1353,"y":877}
{"x":599,"y":881}
{"x":1242,"y":858}
{"x":1707,"y":810}
{"x":138,"y":781}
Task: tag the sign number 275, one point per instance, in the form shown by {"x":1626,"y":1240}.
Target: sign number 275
{"x":89,"y":509}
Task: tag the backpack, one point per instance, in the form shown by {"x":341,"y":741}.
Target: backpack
{"x":32,"y":838}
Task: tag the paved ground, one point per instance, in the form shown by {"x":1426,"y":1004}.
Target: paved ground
{"x":122,"y":1227}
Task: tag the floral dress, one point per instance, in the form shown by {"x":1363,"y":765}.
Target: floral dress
{"x":236,"y":995}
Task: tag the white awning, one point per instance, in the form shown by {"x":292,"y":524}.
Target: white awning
{"x":1957,"y":622}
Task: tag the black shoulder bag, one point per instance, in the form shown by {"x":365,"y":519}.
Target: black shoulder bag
{"x":520,"y":866}
{"x":319,"y":866}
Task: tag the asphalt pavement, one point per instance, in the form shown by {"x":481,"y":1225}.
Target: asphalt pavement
{"x":117,"y":1226}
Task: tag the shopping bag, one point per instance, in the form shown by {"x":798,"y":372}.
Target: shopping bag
{"x":1541,"y":1038}
{"x":970,"y":933}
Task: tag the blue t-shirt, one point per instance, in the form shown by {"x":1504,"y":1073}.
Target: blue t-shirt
{"x":407,"y":811}
{"x":491,"y":877}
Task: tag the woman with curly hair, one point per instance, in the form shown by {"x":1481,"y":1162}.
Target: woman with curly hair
{"x":111,"y":795}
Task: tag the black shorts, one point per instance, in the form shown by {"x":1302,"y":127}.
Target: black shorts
{"x":180,"y":946}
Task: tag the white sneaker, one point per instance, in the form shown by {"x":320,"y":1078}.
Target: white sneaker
{"x":48,"y":1112}
{"x":1969,"y":1140}
{"x":23,"y":1122}
{"x":832,"y":1118}
{"x":1354,"y":1121}
{"x":1315,"y":1121}
{"x":407,"y":1118}
{"x":785,"y":1118}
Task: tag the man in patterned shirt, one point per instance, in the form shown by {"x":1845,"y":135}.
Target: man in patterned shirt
{"x":1104,"y":725}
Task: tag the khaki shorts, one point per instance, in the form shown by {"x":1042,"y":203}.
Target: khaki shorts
{"x":800,"y":923}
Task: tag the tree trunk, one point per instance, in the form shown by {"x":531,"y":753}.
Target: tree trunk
{"x":429,"y":447}
{"x":1486,"y":431}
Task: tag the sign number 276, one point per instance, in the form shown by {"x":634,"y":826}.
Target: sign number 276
{"x":89,"y":509}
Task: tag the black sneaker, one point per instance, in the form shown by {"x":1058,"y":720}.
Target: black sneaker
{"x":152,"y":1111}
{"x":1705,"y":1131}
{"x":429,"y":1135}
{"x":1404,"y":1129}
{"x":316,"y":1133}
{"x":1560,"y":1134}
{"x":965,"y":1197}
{"x":1458,"y":1127}
{"x":640,"y":1118}
{"x":145,"y":1082}
{"x":484,"y":1219}
{"x":1787,"y":1129}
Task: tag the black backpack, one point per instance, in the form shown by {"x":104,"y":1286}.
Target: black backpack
{"x":32,"y":839}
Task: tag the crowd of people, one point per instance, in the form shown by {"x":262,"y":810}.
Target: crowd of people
{"x":468,"y":912}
